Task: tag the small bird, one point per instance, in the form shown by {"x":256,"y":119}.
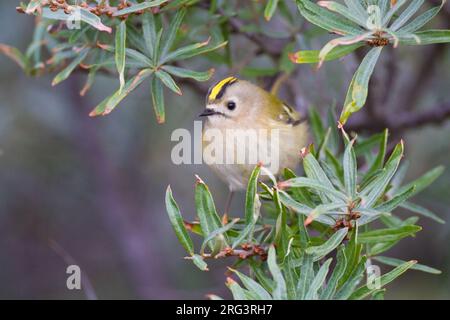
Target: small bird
{"x":235,"y":105}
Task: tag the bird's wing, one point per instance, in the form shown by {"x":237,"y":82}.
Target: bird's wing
{"x":289,"y":116}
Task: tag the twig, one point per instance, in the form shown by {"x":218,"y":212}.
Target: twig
{"x":431,"y":59}
{"x":403,"y":121}
{"x":247,"y":251}
{"x":272,"y":47}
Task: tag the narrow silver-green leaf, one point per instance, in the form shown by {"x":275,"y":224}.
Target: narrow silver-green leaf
{"x":93,"y":20}
{"x":156,"y":56}
{"x":341,"y":41}
{"x":112,"y":102}
{"x":352,"y":253}
{"x":121,"y":38}
{"x":299,"y":194}
{"x":177,"y":222}
{"x":261,"y":276}
{"x":358,"y":89}
{"x":377,"y":188}
{"x":413,"y":7}
{"x":422,"y":19}
{"x":357,"y":8}
{"x":139,"y":7}
{"x":312,"y":56}
{"x":306,"y":276}
{"x":396,"y":200}
{"x":423,"y":181}
{"x":134,"y":58}
{"x":236,"y":290}
{"x":169,"y":36}
{"x":427,"y":37}
{"x":270,"y":9}
{"x":322,"y":209}
{"x":318,"y":252}
{"x":397,"y":262}
{"x":318,"y":281}
{"x":206,"y":212}
{"x":352,"y":282}
{"x":379,"y":160}
{"x":387,"y":235}
{"x":67,"y":71}
{"x":369,"y":215}
{"x":281,"y":233}
{"x":384,"y":6}
{"x":315,"y":185}
{"x":191,"y":51}
{"x":253,"y":286}
{"x":303,"y":233}
{"x":149,"y":31}
{"x":302,"y":209}
{"x":158,"y":99}
{"x":216,"y":233}
{"x":326,"y":19}
{"x":186,"y":73}
{"x":378,"y":248}
{"x":337,"y":274}
{"x":422,"y":211}
{"x":252,"y":207}
{"x":388,"y":16}
{"x":14,"y":54}
{"x":247,"y":232}
{"x":279,"y":293}
{"x":359,"y":18}
{"x":350,"y":170}
{"x":385,"y":279}
{"x":313,"y":170}
{"x":168,"y":81}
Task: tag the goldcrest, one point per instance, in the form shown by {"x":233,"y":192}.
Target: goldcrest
{"x":237,"y":107}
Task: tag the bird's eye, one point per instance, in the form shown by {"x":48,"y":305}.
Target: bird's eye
{"x":231,"y":105}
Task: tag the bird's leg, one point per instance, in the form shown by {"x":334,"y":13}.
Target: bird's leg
{"x":228,"y":203}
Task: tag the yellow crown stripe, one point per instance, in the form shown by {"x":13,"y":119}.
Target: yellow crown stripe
{"x":215,"y":91}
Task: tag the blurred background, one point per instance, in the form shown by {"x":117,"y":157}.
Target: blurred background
{"x":90,"y":191}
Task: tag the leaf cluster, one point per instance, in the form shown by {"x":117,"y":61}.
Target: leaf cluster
{"x":373,"y":23}
{"x":314,"y":236}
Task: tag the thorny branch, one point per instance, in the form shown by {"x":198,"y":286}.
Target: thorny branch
{"x":247,"y":250}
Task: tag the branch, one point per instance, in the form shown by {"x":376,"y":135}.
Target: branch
{"x":271,"y":46}
{"x":431,"y":58}
{"x":248,"y":250}
{"x":436,"y":115}
{"x":403,"y":121}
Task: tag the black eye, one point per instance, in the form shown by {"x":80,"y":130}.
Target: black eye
{"x":231,"y":105}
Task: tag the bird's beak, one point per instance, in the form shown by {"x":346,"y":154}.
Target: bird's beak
{"x":208,"y":112}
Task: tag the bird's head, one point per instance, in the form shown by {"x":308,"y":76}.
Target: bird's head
{"x":232,"y":99}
